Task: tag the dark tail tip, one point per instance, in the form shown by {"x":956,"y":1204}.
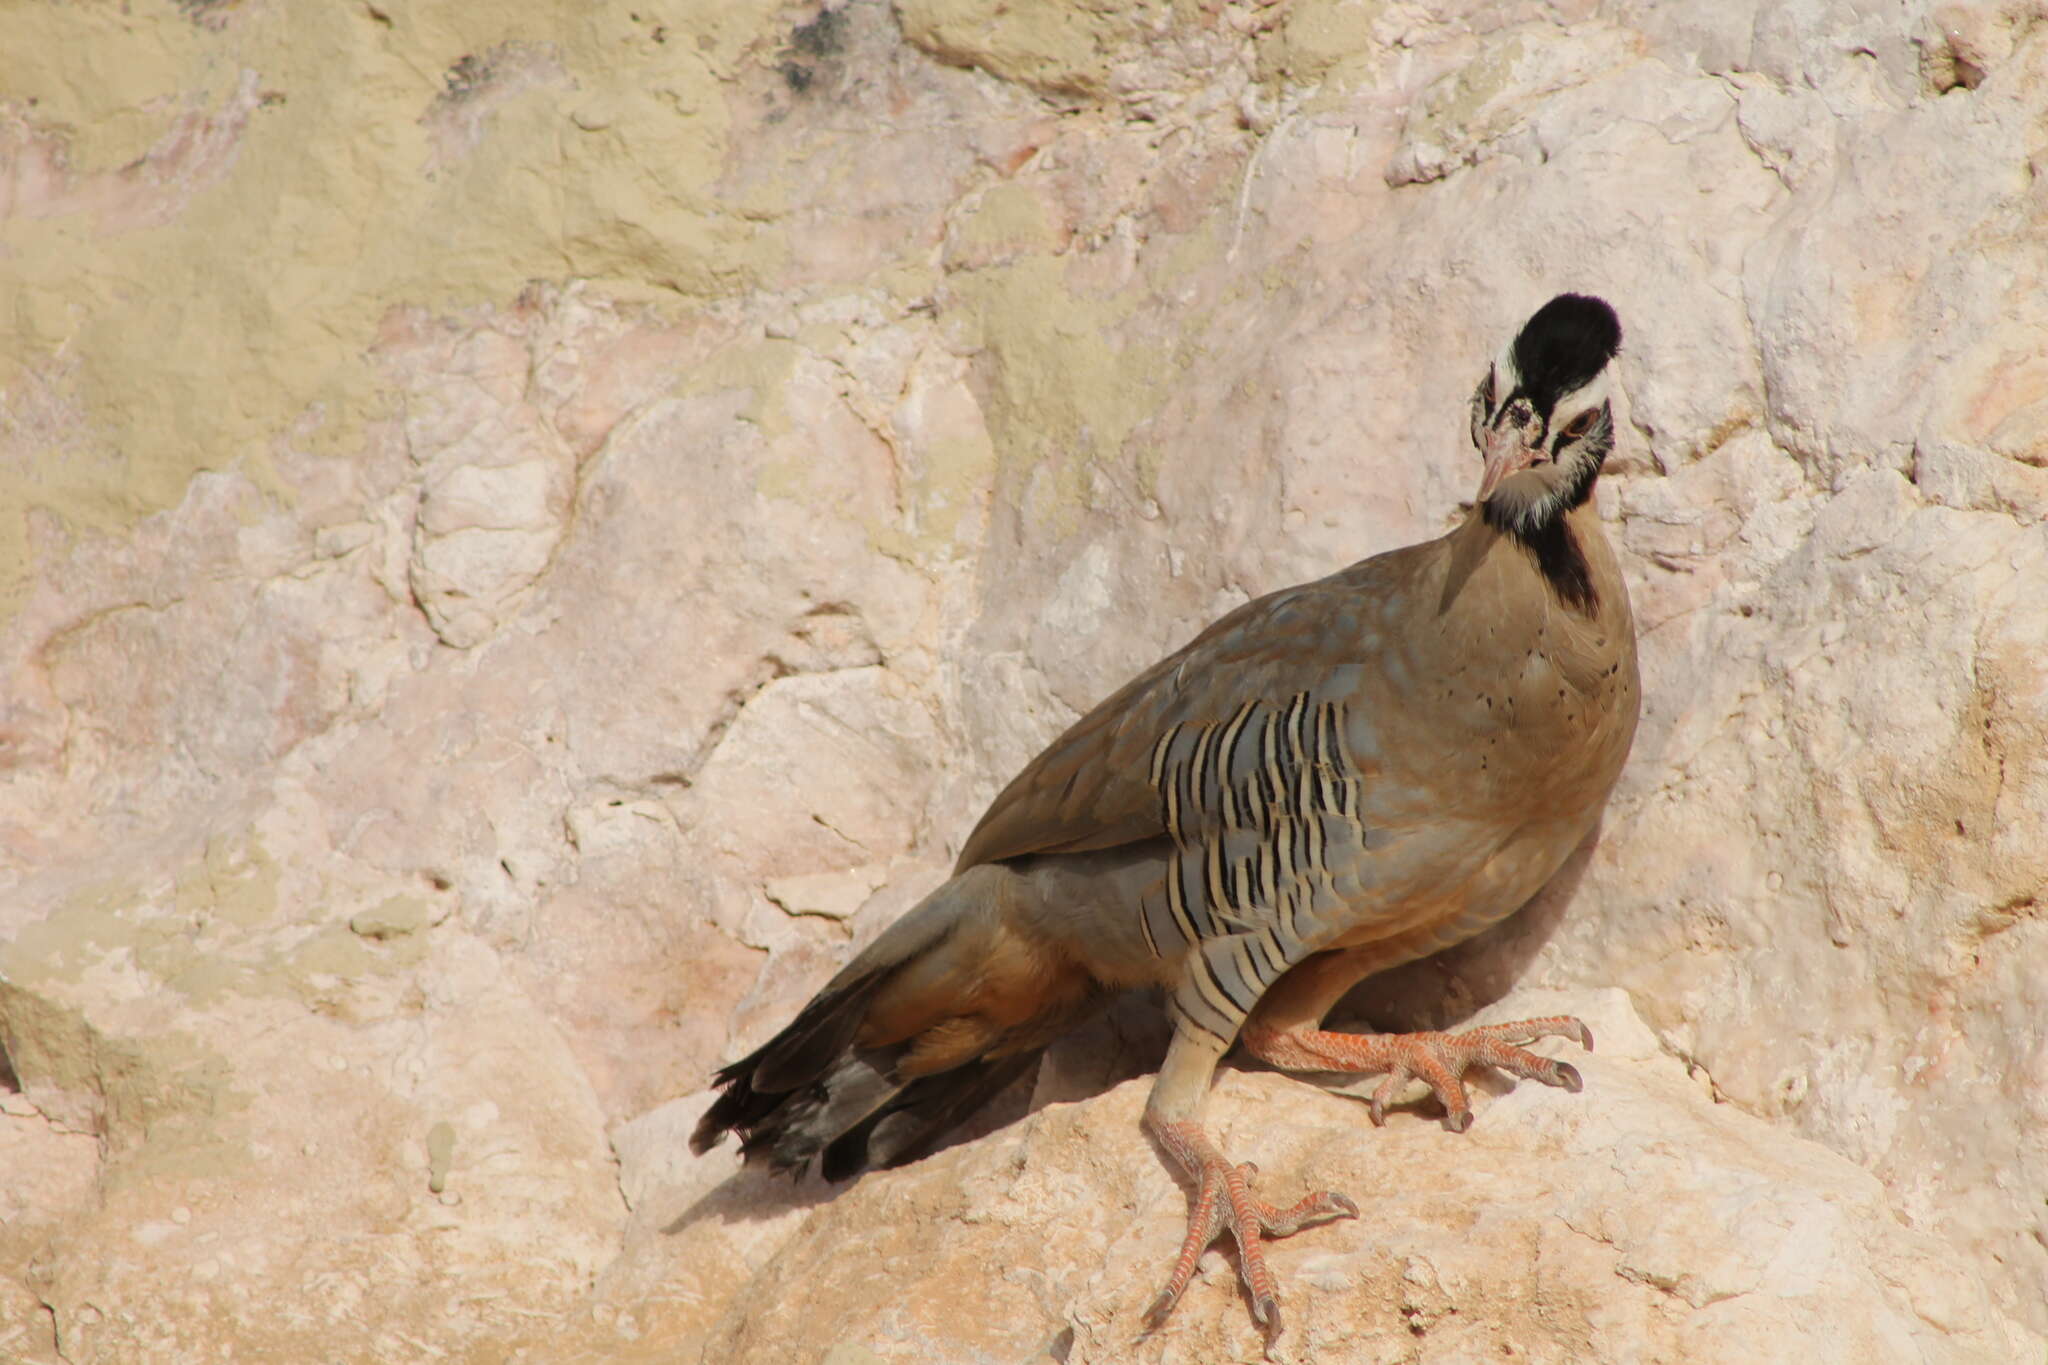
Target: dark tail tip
{"x":739,"y":1108}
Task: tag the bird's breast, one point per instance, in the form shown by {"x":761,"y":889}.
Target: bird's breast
{"x":1513,"y":705}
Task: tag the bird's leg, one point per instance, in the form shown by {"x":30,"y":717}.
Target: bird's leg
{"x":1439,"y":1060}
{"x":1222,"y":1194}
{"x":1285,"y":1029}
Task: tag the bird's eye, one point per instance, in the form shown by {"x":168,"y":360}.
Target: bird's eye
{"x":1581,"y":424}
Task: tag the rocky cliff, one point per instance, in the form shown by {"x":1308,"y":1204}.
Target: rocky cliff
{"x":528,"y":531}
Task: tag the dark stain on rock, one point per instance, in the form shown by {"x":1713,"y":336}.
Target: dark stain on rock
{"x":811,"y":46}
{"x":824,"y":36}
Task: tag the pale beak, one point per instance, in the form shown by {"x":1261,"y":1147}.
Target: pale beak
{"x":1506,"y":453}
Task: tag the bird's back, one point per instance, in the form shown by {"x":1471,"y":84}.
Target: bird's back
{"x":1468,"y":693}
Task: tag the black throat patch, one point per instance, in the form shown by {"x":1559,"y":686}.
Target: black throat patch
{"x":1561,"y":562}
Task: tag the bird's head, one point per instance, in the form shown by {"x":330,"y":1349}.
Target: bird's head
{"x":1541,"y":417}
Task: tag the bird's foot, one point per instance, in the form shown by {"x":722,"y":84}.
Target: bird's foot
{"x":1223,"y":1199}
{"x":1439,"y":1060}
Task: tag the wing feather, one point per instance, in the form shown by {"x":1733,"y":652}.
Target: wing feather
{"x":1092,"y":788}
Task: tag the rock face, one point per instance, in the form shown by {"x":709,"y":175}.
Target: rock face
{"x":1636,"y":1221}
{"x":526,"y":535}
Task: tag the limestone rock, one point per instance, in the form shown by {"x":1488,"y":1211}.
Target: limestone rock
{"x":526,"y":537}
{"x":1638,"y":1219}
{"x":495,"y":484}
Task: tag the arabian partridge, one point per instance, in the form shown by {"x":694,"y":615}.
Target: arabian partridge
{"x":1331,"y":780}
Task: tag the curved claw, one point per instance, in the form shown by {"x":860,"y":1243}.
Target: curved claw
{"x":1385,"y":1093}
{"x":1568,"y":1077}
{"x":1223,"y":1202}
{"x":1266,"y":1313}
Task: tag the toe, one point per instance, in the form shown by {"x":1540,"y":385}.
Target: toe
{"x":1311,"y":1208}
{"x":1385,"y":1093}
{"x":1529,"y":1030}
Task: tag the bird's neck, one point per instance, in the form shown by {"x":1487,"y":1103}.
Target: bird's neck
{"x":1561,"y":550}
{"x":1560,"y":553}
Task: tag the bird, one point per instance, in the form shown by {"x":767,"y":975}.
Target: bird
{"x":1328,"y":781}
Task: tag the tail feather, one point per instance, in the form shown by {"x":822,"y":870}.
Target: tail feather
{"x":919,"y":1119}
{"x":807,"y":1121}
{"x":820,"y":1081}
{"x":819,"y":1089}
{"x":815,"y":1039}
{"x":826,"y":1027}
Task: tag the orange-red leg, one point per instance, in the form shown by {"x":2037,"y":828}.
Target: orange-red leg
{"x":1439,"y":1060}
{"x":1223,"y":1200}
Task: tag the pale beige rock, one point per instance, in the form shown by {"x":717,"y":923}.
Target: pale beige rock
{"x":1637,"y":1220}
{"x":525,"y":538}
{"x":835,"y":895}
{"x":54,"y":1175}
{"x":495,"y":484}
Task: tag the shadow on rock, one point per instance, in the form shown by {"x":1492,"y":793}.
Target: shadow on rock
{"x":754,"y":1196}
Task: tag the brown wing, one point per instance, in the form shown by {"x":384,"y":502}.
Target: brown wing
{"x":1091,"y":788}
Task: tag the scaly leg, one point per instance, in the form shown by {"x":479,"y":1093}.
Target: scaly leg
{"x":1222,"y":1194}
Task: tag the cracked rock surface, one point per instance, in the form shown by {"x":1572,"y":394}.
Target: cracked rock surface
{"x":527,"y":536}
